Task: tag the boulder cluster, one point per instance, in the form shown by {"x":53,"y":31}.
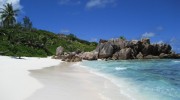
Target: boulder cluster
{"x":120,"y":49}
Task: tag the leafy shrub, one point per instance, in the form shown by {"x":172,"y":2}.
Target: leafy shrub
{"x":19,"y":42}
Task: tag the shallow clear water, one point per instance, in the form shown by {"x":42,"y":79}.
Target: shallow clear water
{"x":142,"y":79}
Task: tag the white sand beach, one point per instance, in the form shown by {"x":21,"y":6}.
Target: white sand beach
{"x":44,"y":79}
{"x":15,"y":82}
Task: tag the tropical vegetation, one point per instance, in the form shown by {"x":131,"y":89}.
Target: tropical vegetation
{"x":22,"y":39}
{"x":8,"y":15}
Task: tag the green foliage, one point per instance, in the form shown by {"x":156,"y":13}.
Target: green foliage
{"x":72,"y":37}
{"x":18,"y":39}
{"x":122,"y":37}
{"x":27,"y":24}
{"x":19,"y":42}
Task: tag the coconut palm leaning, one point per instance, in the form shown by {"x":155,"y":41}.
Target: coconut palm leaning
{"x":8,"y":15}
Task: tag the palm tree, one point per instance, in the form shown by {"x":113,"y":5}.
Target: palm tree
{"x":8,"y":15}
{"x":27,"y":23}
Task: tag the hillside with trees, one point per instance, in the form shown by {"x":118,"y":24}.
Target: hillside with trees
{"x":21,"y":39}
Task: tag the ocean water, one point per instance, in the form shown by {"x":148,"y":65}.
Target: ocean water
{"x":141,"y":79}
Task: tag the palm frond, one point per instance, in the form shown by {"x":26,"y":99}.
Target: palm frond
{"x":8,"y":14}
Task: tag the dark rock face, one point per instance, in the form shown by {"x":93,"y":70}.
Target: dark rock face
{"x":123,"y":54}
{"x":135,"y":49}
{"x":119,"y":43}
{"x":155,"y":50}
{"x":76,"y":59}
{"x":105,"y":50}
{"x":147,"y":49}
{"x":164,"y":48}
{"x":117,"y":49}
{"x":171,"y":55}
{"x":178,"y":55}
{"x":71,"y":57}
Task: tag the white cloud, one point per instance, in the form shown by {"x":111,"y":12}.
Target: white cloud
{"x":99,"y":3}
{"x":148,"y":35}
{"x":69,"y":2}
{"x":15,"y":3}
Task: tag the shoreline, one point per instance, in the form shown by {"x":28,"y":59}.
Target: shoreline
{"x":33,"y":78}
{"x":69,"y":81}
{"x":20,"y":80}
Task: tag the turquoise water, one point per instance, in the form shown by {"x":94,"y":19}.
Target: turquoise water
{"x":142,"y":79}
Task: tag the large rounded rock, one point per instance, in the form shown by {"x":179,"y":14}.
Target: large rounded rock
{"x":76,"y":59}
{"x":140,"y":56}
{"x":124,"y":54}
{"x":90,"y":55}
{"x":71,"y":57}
{"x":105,"y":50}
{"x":123,"y":49}
{"x":59,"y":50}
{"x":115,"y":56}
{"x":119,"y":43}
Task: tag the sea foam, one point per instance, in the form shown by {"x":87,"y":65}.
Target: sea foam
{"x":141,"y":79}
{"x":120,"y":68}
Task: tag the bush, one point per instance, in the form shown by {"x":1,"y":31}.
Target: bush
{"x":19,"y":42}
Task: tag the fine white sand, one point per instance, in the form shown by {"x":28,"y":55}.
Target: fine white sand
{"x":15,"y":81}
{"x":68,"y":81}
{"x":40,"y":79}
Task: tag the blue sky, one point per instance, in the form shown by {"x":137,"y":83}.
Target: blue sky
{"x":106,"y":19}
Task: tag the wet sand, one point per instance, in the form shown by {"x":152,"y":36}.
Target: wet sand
{"x":68,"y":81}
